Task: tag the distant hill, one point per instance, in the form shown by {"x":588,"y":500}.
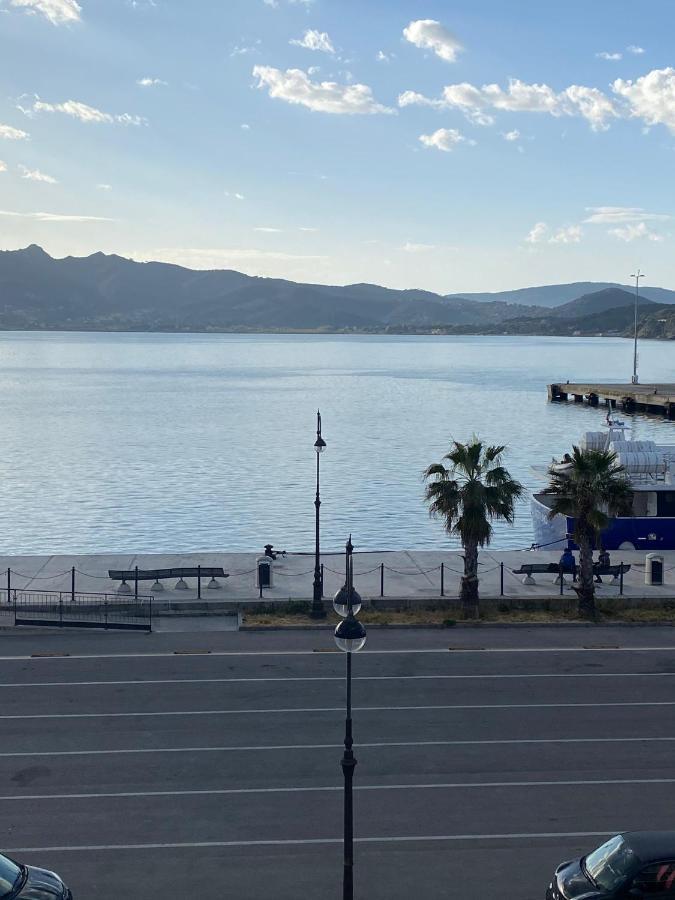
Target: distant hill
{"x":599,"y":302}
{"x":110,"y":293}
{"x":554,"y":295}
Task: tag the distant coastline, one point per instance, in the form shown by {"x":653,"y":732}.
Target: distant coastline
{"x":108,"y":293}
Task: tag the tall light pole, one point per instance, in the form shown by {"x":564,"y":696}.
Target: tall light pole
{"x":318,"y":612}
{"x":638,"y":275}
{"x":350,"y":636}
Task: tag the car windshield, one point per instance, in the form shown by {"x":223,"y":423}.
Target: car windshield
{"x":10,"y":875}
{"x":609,"y":865}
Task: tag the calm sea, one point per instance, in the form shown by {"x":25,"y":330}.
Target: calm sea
{"x":152,"y":442}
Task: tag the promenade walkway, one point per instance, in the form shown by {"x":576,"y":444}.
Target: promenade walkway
{"x":404,"y":574}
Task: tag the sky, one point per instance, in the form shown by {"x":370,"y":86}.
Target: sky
{"x":476,"y":145}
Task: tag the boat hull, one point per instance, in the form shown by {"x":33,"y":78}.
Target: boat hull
{"x":623,"y":533}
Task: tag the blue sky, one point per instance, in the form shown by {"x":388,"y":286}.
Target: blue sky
{"x":450,"y":146}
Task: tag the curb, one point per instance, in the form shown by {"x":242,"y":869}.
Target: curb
{"x":413,"y":626}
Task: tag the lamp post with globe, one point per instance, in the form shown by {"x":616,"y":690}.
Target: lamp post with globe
{"x":317,"y":612}
{"x":350,"y":636}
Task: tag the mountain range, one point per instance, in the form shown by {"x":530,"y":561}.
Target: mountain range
{"x":110,"y":293}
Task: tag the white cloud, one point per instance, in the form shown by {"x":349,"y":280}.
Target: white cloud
{"x":610,"y":57}
{"x":12,"y":134}
{"x":53,"y":217}
{"x":431,"y":35}
{"x":308,"y":229}
{"x":519,"y":96}
{"x":635,"y":50}
{"x":537,"y":234}
{"x":58,"y":12}
{"x":294,"y":86}
{"x":540,"y":233}
{"x":267,"y":229}
{"x":410,"y":247}
{"x":85,"y":113}
{"x":592,"y":104}
{"x":571,"y":234}
{"x":104,"y":187}
{"x":315,"y":40}
{"x":243,"y":49}
{"x":651,"y":97}
{"x":616,"y":215}
{"x":633,"y":232}
{"x":36,"y":175}
{"x":445,"y":139}
{"x":511,"y":135}
{"x":384,"y":57}
{"x":151,"y":82}
{"x":3,"y":166}
{"x":245,"y":127}
{"x":237,"y":196}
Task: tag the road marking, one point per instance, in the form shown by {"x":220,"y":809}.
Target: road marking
{"x":286,"y":842}
{"x":327,"y":709}
{"x":471,"y":785}
{"x":214,"y":654}
{"x":380,"y":745}
{"x":327,"y":678}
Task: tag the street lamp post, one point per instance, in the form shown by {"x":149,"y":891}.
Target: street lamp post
{"x":637,"y":277}
{"x":318,"y":612}
{"x":350,"y":636}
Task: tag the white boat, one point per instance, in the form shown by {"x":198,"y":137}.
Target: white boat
{"x":650,"y":468}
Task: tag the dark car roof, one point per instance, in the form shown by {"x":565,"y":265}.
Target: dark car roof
{"x":651,"y":846}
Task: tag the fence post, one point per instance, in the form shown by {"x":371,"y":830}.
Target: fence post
{"x":60,"y":609}
{"x":9,"y":592}
{"x":381,"y":579}
{"x":501,"y":579}
{"x":135,"y":582}
{"x":562,"y":578}
{"x":322,"y":581}
{"x":621,"y":578}
{"x":199,"y":582}
{"x":150,"y":617}
{"x":105,"y":613}
{"x":442,"y":579}
{"x":72,"y":585}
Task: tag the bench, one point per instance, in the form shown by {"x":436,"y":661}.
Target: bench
{"x":156,"y":575}
{"x":530,"y":569}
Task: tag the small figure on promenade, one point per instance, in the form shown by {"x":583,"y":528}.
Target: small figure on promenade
{"x":567,"y":562}
{"x":602,"y":563}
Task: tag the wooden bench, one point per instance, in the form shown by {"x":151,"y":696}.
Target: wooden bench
{"x":156,"y":575}
{"x":530,"y":569}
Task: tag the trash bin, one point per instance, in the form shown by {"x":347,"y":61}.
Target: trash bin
{"x":263,"y":569}
{"x":654,"y":568}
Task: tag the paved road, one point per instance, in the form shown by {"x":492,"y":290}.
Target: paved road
{"x":138,"y":771}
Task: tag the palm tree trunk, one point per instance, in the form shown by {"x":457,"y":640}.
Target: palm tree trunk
{"x":469,"y":586}
{"x":586,"y":589}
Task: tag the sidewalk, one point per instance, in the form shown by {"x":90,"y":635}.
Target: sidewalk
{"x":406,"y":575}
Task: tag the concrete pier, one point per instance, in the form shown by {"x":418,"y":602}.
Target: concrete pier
{"x":654,"y":398}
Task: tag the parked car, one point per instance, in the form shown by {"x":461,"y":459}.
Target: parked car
{"x":626,"y":867}
{"x":19,"y":882}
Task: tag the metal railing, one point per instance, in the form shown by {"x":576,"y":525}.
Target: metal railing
{"x":66,"y":609}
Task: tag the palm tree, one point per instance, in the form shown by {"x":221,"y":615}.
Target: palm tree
{"x":591,"y":490}
{"x":469,"y":494}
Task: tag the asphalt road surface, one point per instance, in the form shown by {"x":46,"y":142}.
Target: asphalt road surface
{"x":485,"y":757}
